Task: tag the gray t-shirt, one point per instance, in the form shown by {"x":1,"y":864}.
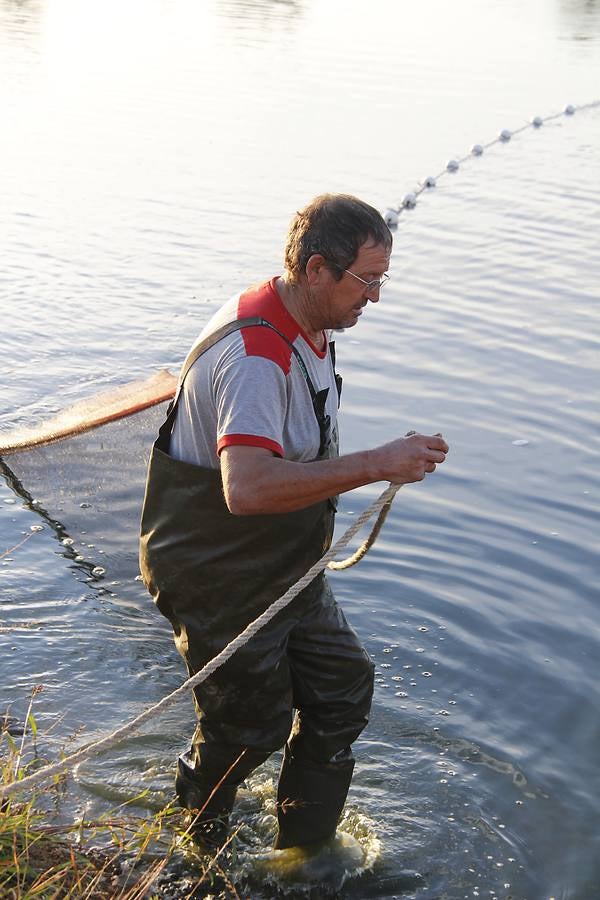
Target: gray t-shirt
{"x":248,"y":389}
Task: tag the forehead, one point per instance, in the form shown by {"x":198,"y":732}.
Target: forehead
{"x":372,"y":257}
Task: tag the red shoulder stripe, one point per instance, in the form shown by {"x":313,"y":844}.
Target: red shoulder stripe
{"x":260,"y":341}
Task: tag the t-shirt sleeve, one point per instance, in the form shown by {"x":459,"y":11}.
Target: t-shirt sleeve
{"x":251,"y":399}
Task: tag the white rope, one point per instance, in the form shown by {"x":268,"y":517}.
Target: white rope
{"x":409,"y":201}
{"x":339,"y":565}
{"x":74,"y":759}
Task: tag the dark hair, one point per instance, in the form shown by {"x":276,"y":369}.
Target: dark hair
{"x":336,"y":226}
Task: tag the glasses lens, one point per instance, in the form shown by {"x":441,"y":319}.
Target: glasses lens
{"x":378,"y":283}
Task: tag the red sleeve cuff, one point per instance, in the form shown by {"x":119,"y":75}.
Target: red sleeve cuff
{"x":249,"y":440}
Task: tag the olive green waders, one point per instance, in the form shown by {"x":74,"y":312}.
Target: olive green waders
{"x":211,"y":573}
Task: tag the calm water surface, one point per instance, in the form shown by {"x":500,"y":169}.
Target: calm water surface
{"x":153,"y":154}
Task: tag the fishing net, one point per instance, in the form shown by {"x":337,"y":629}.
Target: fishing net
{"x":88,"y":488}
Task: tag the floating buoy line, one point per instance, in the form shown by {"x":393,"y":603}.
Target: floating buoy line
{"x":379,"y":507}
{"x":409,"y":201}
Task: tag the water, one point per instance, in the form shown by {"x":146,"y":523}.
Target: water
{"x":152,"y":156}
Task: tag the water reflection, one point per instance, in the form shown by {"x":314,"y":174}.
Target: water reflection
{"x":261,"y":9}
{"x":22,"y":15}
{"x":23,"y":10}
{"x":581,"y":18}
{"x":20,"y":30}
{"x":258,"y":20}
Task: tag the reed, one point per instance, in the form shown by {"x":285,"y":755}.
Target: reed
{"x":120,"y":856}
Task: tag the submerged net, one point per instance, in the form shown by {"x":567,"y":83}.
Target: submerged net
{"x":88,"y":490}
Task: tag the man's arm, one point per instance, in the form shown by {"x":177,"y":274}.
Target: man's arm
{"x":255,"y":481}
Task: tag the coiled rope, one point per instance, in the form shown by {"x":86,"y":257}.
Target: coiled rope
{"x":380,"y":506}
{"x":340,"y":565}
{"x":69,"y":762}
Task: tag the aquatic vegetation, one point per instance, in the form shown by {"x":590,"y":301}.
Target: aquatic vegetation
{"x":120,"y":856}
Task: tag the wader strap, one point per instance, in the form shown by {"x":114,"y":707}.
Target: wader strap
{"x":338,"y":378}
{"x":164,"y":432}
{"x":318,"y":398}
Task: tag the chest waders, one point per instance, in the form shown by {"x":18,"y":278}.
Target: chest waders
{"x":211,"y":573}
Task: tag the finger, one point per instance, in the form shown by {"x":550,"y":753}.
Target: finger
{"x":437,"y":443}
{"x":436,"y":456}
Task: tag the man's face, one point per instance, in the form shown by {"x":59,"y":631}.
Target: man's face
{"x":342,"y":301}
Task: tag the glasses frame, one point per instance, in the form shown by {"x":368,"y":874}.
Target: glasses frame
{"x":374,"y":285}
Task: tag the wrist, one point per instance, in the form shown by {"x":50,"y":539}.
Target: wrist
{"x":372,"y":468}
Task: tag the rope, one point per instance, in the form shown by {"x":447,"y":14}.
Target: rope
{"x":69,"y":762}
{"x":339,"y":566}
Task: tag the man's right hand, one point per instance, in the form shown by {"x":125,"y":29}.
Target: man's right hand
{"x":408,"y":459}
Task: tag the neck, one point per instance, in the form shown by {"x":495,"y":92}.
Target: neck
{"x":296,"y":299}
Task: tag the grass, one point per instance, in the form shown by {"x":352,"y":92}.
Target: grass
{"x":58,"y":862}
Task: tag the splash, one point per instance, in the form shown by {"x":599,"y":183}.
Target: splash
{"x":349,"y":855}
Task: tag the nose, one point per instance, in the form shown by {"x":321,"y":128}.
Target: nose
{"x":373,"y":294}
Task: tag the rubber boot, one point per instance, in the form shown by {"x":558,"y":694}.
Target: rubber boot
{"x":209,"y":818}
{"x":310,"y":799}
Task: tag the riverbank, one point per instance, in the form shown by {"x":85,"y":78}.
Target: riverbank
{"x":120,"y":855}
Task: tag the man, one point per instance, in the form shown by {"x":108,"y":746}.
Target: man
{"x":240,"y":503}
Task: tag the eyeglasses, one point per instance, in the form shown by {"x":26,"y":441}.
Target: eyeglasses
{"x":374,"y":285}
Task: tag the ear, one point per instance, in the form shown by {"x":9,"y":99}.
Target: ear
{"x":315,"y":268}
